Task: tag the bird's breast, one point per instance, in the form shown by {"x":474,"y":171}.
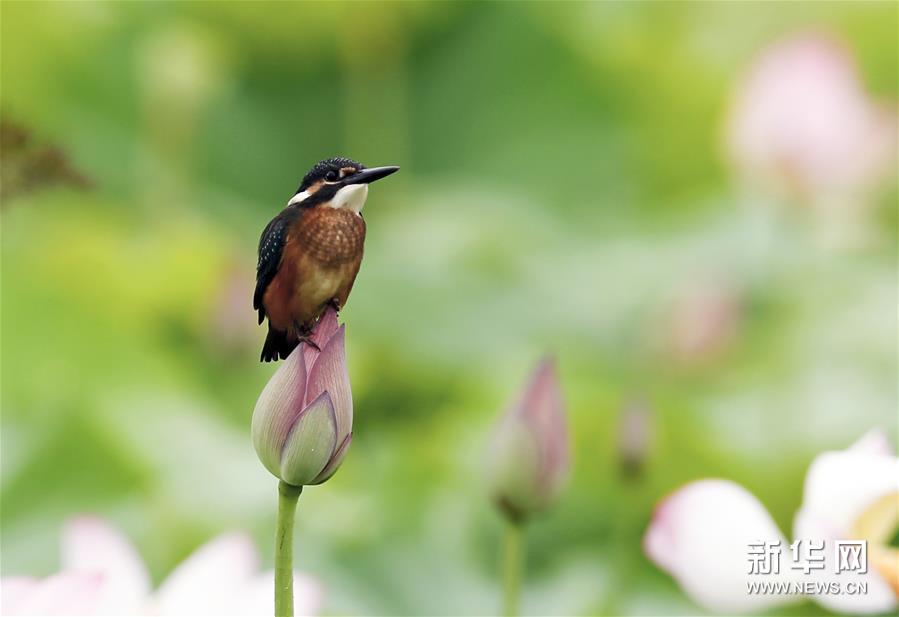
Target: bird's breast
{"x":321,"y":258}
{"x":332,"y":237}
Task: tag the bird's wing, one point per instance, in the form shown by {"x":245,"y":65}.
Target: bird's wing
{"x":271,"y":245}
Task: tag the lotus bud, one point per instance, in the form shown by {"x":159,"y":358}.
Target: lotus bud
{"x":303,"y":421}
{"x":529,"y":453}
{"x":635,"y":428}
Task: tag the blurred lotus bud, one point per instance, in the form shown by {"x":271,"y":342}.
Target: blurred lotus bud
{"x":302,"y":424}
{"x":634,"y":437}
{"x":529,"y":457}
{"x":704,"y":321}
{"x":802,"y":124}
{"x":231,"y":327}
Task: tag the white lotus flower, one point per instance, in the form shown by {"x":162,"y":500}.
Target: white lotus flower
{"x":102,"y":574}
{"x":701,"y":533}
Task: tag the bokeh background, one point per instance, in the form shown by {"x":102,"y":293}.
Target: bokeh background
{"x":591,"y":180}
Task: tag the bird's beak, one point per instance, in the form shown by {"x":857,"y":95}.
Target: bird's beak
{"x":367,"y":176}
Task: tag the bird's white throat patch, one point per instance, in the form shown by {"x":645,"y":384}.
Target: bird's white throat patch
{"x":298,"y":198}
{"x":351,"y":197}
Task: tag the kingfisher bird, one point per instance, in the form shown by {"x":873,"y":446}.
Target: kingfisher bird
{"x":309,"y":255}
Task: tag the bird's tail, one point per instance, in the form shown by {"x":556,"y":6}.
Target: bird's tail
{"x":277,"y":346}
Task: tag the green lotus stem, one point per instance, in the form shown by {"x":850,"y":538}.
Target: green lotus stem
{"x":287,"y":508}
{"x":513,"y":564}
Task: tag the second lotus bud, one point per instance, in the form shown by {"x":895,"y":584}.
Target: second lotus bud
{"x":303,"y":421}
{"x":529,"y":454}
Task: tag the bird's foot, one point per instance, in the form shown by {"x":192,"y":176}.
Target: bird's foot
{"x":304,"y":335}
{"x":307,"y":338}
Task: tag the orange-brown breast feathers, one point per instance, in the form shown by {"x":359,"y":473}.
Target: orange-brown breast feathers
{"x":331,"y":236}
{"x":320,"y":260}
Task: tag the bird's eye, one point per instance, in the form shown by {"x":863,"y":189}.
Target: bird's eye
{"x":332,"y":176}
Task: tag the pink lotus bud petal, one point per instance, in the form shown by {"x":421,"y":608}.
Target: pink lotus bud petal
{"x":304,"y":416}
{"x":326,"y":328}
{"x":329,"y":374}
{"x":311,"y":443}
{"x":529,"y":458}
{"x":324,"y":331}
{"x":277,"y":409}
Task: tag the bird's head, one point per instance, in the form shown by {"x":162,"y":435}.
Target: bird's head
{"x":338,"y":183}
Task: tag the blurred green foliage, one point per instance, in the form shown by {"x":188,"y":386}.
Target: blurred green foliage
{"x":562,"y":182}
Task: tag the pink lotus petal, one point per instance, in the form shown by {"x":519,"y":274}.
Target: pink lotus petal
{"x":219,"y":578}
{"x":329,"y":373}
{"x":13,"y":590}
{"x":203,"y":583}
{"x":802,"y":121}
{"x":277,"y":409}
{"x":700,"y":535}
{"x":92,"y":546}
{"x":66,"y":593}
